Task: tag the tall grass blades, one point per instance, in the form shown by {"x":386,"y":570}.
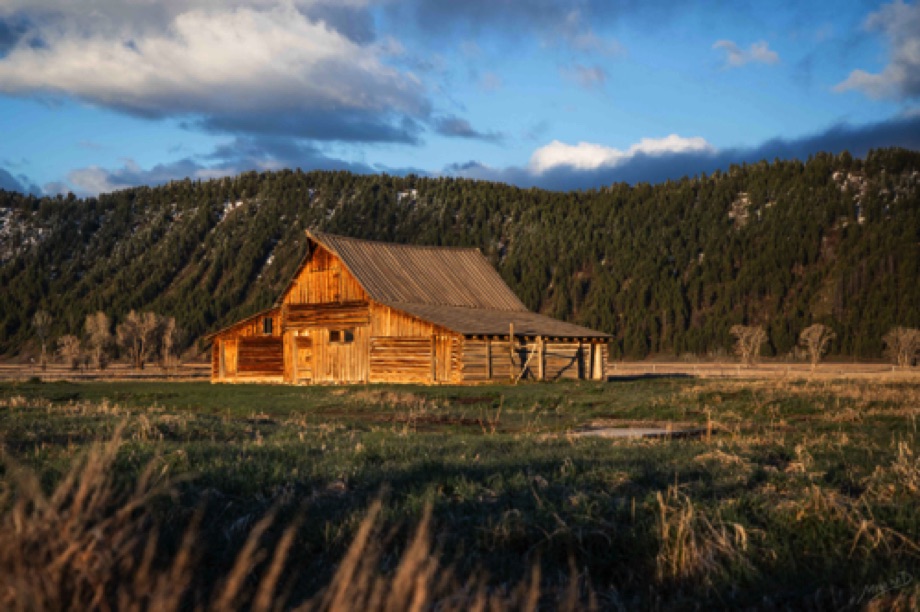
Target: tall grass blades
{"x":89,"y":545}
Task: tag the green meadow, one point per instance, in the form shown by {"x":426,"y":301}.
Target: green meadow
{"x":796,"y":494}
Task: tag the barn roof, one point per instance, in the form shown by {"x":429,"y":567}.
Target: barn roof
{"x":455,"y":288}
{"x":409,"y":274}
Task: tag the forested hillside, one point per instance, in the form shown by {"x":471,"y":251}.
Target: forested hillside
{"x":666,"y":268}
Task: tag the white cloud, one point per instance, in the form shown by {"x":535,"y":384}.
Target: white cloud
{"x":735,"y":56}
{"x":205,"y":58}
{"x":900,"y":79}
{"x":590,"y":156}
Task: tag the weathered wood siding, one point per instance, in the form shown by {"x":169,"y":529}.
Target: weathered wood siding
{"x":260,"y":357}
{"x":324,"y":279}
{"x":445,"y":368}
{"x":298,"y":357}
{"x":229,"y":357}
{"x":303,"y":358}
{"x":338,"y":362}
{"x":324,"y":300}
{"x":254,"y":326}
{"x":386,"y":321}
{"x":565,"y":360}
{"x":486,"y":360}
{"x":394,"y":359}
{"x":599,"y":361}
{"x":330,"y":316}
{"x":234,"y":356}
{"x":215,"y":360}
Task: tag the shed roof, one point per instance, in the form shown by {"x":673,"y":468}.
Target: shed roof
{"x":482,"y":321}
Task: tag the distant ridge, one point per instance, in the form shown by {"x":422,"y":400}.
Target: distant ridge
{"x":664,"y":268}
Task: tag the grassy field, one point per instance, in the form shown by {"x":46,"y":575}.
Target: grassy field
{"x":806,"y":495}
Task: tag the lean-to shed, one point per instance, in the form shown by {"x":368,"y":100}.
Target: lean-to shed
{"x":360,"y":311}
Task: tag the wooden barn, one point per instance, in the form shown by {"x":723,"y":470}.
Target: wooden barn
{"x":358,"y":311}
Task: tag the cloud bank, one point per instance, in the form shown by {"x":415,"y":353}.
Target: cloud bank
{"x":242,"y":154}
{"x":588,"y":156}
{"x":261,"y":66}
{"x":900,"y":79}
{"x":560,"y":166}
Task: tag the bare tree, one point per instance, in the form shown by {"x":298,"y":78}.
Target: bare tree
{"x":98,"y":330}
{"x":137,"y":335}
{"x":902,"y":345}
{"x":68,"y":347}
{"x":41,"y":322}
{"x":169,"y":340}
{"x":816,"y":339}
{"x":748,"y":340}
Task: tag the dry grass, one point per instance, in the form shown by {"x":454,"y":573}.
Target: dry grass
{"x":91,"y":545}
{"x":692,"y":546}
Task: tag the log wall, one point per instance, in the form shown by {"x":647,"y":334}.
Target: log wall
{"x":566,"y":360}
{"x":405,"y":359}
{"x":260,"y":357}
{"x":333,"y":316}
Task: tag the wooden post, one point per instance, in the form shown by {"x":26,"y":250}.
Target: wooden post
{"x":489,"y":358}
{"x":434,"y":358}
{"x":511,"y":348}
{"x":541,"y":346}
{"x":223,"y":361}
{"x":293,"y":353}
{"x":599,"y":349}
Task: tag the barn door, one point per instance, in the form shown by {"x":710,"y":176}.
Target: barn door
{"x":340,"y":354}
{"x":303,"y":359}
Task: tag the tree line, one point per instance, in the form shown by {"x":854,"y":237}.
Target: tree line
{"x":141,"y":338}
{"x":902,"y":344}
{"x":665,"y":269}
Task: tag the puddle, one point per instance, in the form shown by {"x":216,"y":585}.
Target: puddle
{"x":642,"y":432}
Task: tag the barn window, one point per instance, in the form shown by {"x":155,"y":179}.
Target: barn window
{"x":341,"y":336}
{"x":267,"y":326}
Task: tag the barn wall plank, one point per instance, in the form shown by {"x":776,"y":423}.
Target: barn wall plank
{"x":400,"y":359}
{"x":323,"y":279}
{"x":260,"y":356}
{"x":338,"y":315}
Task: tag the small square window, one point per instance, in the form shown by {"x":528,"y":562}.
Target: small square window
{"x":267,"y":326}
{"x":341,"y":336}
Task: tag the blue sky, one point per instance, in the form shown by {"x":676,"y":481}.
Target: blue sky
{"x":97,"y":95}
